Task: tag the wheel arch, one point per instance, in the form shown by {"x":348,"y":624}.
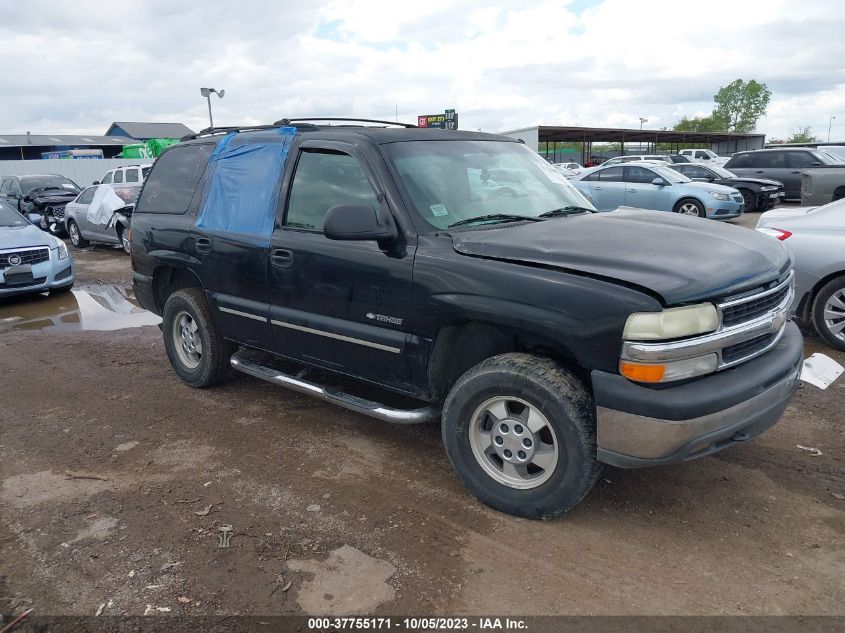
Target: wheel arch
{"x":479,"y":340}
{"x":839,"y":193}
{"x":168,"y":279}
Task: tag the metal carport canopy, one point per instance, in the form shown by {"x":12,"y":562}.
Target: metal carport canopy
{"x":554,"y":133}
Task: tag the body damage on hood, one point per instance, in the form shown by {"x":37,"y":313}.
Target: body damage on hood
{"x":681,"y":259}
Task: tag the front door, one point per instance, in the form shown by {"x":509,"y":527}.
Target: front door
{"x":342,"y":305}
{"x":641,"y":193}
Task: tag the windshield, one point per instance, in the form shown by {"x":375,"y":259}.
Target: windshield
{"x":9,"y":217}
{"x":668,"y":173}
{"x":452,"y":182}
{"x":45,"y":183}
{"x":721,"y":171}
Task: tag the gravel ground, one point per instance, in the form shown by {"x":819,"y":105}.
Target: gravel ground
{"x":115,"y":479}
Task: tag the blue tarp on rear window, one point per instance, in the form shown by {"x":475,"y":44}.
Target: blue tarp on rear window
{"x":242,"y":190}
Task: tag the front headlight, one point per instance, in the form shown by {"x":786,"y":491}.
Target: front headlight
{"x":671,"y":323}
{"x":720,"y":196}
{"x":772,"y":188}
{"x":62,"y":248}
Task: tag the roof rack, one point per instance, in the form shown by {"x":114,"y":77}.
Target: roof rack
{"x":344,"y":119}
{"x":210,"y":131}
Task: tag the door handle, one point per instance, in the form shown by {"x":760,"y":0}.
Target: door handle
{"x":632,"y":191}
{"x":796,"y":172}
{"x":759,"y":171}
{"x":597,"y":188}
{"x":281,"y":257}
{"x":203,"y":245}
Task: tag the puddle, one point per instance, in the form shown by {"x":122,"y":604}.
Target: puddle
{"x":99,"y":307}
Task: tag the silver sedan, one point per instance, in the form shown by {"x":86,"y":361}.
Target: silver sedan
{"x":816,"y":238}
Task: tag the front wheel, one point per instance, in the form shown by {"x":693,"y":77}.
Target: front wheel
{"x":197,"y":351}
{"x":749,"y":200}
{"x":690,"y":207}
{"x":75,"y":236}
{"x":520,"y":432}
{"x":829,"y":312}
{"x":123,"y":236}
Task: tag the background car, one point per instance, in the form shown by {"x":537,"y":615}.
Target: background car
{"x":706,"y":155}
{"x":130,"y":174}
{"x":784,"y":165}
{"x":656,"y":186}
{"x":654,"y":158}
{"x":816,"y":238}
{"x":30,"y":260}
{"x":575,"y":168}
{"x":679,"y":158}
{"x":45,"y":194}
{"x":102,"y":213}
{"x":567,"y":173}
{"x":758,"y":194}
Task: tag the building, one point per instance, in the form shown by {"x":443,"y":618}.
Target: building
{"x":32,"y":146}
{"x":546,"y":140}
{"x":145,"y":131}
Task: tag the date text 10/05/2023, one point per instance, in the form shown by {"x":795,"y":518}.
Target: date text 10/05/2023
{"x":416,"y":623}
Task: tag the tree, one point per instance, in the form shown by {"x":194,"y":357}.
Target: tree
{"x":700,"y":124}
{"x":803,"y":135}
{"x":741,"y":104}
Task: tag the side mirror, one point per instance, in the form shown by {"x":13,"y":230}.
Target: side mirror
{"x":700,"y":179}
{"x":659,"y":182}
{"x":96,"y":182}
{"x":34,"y":218}
{"x":816,"y":163}
{"x":359,"y":222}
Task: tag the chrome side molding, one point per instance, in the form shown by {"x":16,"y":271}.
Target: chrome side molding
{"x":345,"y":400}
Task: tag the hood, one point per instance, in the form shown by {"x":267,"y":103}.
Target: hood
{"x":53,"y":197}
{"x":756,"y":181}
{"x":711,"y":186}
{"x":679,"y":258}
{"x":23,"y":236}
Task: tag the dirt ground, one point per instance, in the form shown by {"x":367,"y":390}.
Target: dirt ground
{"x":115,"y":478}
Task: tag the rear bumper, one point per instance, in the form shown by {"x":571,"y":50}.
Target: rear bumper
{"x":639,"y":426}
{"x":142,"y":286}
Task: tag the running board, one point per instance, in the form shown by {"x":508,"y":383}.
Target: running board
{"x":345,"y":400}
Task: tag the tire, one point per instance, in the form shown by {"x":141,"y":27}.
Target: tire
{"x":828,"y":305}
{"x":204,"y":360}
{"x":75,"y":235}
{"x":691,"y":207}
{"x":749,"y":200}
{"x":563,"y":418}
{"x":122,"y":235}
{"x":838,"y":194}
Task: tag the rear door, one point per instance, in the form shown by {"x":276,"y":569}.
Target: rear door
{"x":796,"y":163}
{"x":343,"y":305}
{"x":641,"y":193}
{"x":607,"y":188}
{"x":78,"y":209}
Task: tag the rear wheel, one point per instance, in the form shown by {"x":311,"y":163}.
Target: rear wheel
{"x":839,"y":193}
{"x":691,"y":207}
{"x":829,"y":312}
{"x":197,"y":351}
{"x":520,"y":432}
{"x":75,"y":236}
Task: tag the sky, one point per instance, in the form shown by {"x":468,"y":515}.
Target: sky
{"x":74,"y":67}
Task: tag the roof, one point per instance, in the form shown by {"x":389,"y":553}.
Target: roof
{"x":140,"y":130}
{"x":549,"y":133}
{"x":60,"y":140}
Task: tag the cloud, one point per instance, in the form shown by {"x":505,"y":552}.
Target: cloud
{"x":75,"y":67}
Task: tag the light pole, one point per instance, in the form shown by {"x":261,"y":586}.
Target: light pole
{"x":206,"y":92}
{"x":643,"y":120}
{"x":829,"y":125}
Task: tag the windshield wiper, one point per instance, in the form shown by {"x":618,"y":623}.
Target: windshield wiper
{"x":502,"y":217}
{"x":564,"y":211}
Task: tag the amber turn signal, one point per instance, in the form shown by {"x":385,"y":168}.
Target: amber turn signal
{"x":642,"y":373}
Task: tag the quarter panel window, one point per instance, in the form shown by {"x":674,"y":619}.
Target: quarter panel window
{"x":174,"y":179}
{"x":118,"y":176}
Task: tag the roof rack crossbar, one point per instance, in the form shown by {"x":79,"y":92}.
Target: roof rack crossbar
{"x":345,"y":119}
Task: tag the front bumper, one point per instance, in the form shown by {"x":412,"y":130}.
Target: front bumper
{"x":49,"y":275}
{"x":640,"y":426}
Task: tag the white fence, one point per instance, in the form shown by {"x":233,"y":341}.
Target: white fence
{"x":81,"y":171}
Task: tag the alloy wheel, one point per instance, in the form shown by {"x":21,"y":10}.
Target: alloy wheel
{"x":834,"y":314}
{"x":187,"y":340}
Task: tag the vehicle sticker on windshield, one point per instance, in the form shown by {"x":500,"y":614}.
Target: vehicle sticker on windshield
{"x":439,"y":210}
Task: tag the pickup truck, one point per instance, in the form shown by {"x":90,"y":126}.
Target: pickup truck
{"x":820,"y":185}
{"x":545,"y":338}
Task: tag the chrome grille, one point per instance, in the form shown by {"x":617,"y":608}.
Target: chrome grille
{"x":27,"y":256}
{"x":58,"y":212}
{"x":754,"y":307}
{"x":733,"y":353}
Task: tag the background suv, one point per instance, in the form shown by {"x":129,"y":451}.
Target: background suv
{"x":784,"y":165}
{"x":129,"y":174}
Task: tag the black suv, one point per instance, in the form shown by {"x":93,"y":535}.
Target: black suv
{"x":461,"y":272}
